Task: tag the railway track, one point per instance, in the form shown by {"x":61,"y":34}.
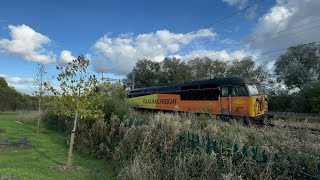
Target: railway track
{"x":286,"y":115}
{"x":293,"y":115}
{"x":275,"y":115}
{"x":294,"y":128}
{"x":291,"y":128}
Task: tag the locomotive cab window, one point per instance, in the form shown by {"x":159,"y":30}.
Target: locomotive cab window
{"x":239,"y":91}
{"x":253,"y":90}
{"x":225,"y":91}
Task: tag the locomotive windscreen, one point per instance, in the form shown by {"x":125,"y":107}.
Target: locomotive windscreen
{"x":253,"y":90}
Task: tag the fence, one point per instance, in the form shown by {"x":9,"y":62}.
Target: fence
{"x":194,"y":141}
{"x":260,"y":155}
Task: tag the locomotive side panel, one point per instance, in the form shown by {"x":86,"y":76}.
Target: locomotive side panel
{"x":172,"y":102}
{"x":240,"y":105}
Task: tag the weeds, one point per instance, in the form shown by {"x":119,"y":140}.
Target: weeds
{"x":28,"y":117}
{"x":148,"y":146}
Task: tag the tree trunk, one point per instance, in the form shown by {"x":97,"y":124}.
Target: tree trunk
{"x":39,"y":116}
{"x":72,"y":140}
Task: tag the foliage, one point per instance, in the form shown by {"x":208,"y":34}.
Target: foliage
{"x":12,"y":100}
{"x":202,"y":68}
{"x":313,"y":97}
{"x":246,"y":67}
{"x":78,"y":90}
{"x":3,"y":82}
{"x":40,"y":92}
{"x":56,"y":122}
{"x":173,"y":70}
{"x":113,"y":101}
{"x":146,"y":73}
{"x":78,"y":97}
{"x":299,"y":66}
{"x":303,"y":101}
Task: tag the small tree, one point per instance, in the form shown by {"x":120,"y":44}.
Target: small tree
{"x":39,"y":91}
{"x":78,"y":95}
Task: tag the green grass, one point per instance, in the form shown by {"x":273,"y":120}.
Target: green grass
{"x":46,"y":156}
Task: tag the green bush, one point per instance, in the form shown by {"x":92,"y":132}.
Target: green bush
{"x":56,"y":122}
{"x":117,"y":106}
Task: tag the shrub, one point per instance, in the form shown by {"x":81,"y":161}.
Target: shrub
{"x":55,"y":122}
{"x":117,"y":106}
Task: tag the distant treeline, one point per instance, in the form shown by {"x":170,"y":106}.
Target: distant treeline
{"x":12,"y":100}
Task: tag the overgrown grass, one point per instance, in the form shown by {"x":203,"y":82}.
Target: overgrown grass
{"x":45,"y":157}
{"x":147,"y":151}
{"x":148,"y":147}
{"x":28,"y":117}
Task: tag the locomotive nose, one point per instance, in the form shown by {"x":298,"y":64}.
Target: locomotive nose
{"x":265,"y":103}
{"x":261,"y":105}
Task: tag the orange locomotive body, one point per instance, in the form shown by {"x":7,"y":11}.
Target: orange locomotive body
{"x":233,"y":96}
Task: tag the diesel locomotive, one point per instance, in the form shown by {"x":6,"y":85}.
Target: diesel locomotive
{"x":233,"y":97}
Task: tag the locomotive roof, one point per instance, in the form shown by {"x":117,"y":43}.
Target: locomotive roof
{"x":196,"y":84}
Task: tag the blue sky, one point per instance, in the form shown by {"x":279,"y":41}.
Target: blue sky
{"x":113,"y":34}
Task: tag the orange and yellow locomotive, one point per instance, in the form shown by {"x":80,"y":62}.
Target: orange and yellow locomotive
{"x":228,"y":97}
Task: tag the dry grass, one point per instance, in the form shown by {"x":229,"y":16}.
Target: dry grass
{"x":29,"y":117}
{"x":149,"y":152}
{"x":148,"y":147}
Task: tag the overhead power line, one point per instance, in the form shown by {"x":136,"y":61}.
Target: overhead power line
{"x":205,"y":27}
{"x":269,"y":40}
{"x":246,"y":42}
{"x":272,"y":34}
{"x":262,"y":36}
{"x":286,"y":35}
{"x":283,"y":49}
{"x":278,"y":50}
{"x":293,"y":33}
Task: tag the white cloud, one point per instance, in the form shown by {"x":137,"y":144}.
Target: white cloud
{"x":24,"y":88}
{"x":24,"y":85}
{"x":88,"y":56}
{"x":119,"y":54}
{"x":27,"y":44}
{"x":221,"y":55}
{"x":240,"y":4}
{"x":16,"y":80}
{"x":284,"y":15}
{"x":66,"y":57}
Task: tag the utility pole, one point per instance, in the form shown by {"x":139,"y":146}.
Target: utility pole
{"x":133,"y":77}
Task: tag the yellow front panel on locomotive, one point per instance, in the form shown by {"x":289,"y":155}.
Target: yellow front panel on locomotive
{"x":258,"y":106}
